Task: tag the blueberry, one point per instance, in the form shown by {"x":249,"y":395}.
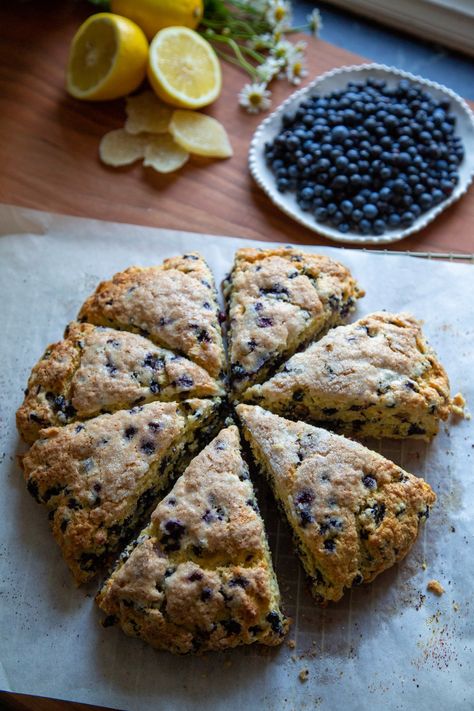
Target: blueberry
{"x":321,"y":214}
{"x":339,"y":133}
{"x":307,"y":193}
{"x":283,"y":185}
{"x":357,"y":215}
{"x":342,"y":163}
{"x":379,"y":227}
{"x":343,"y":227}
{"x":347,"y":207}
{"x":370,"y":210}
{"x":340,"y":182}
{"x":394,"y":219}
{"x":407,"y":218}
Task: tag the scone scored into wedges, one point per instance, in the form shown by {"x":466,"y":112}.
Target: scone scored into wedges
{"x":352,"y":512}
{"x":376,"y":377}
{"x":99,"y":477}
{"x":174,"y":305}
{"x":97,"y":369}
{"x":278,"y":300}
{"x":199,"y":577}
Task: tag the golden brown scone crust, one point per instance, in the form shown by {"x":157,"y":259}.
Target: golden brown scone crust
{"x":279,"y":299}
{"x":98,"y":477}
{"x":200,"y":576}
{"x":174,"y":305}
{"x":97,"y":369}
{"x":375,"y":377}
{"x":353,"y":513}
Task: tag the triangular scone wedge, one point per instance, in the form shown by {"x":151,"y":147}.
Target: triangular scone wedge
{"x":99,"y":478}
{"x":352,"y":512}
{"x":174,"y":305}
{"x":97,"y":369}
{"x":200,"y":576}
{"x":376,"y":377}
{"x":278,"y":300}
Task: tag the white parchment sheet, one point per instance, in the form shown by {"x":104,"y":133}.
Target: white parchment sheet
{"x":390,"y":645}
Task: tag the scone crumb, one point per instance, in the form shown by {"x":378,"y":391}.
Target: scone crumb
{"x":435,"y":587}
{"x":291,"y":643}
{"x":458,"y":406}
{"x":424,"y":565}
{"x":455,"y":607}
{"x":303,"y":675}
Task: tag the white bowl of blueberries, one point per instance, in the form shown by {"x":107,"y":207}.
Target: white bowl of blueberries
{"x":366,"y":154}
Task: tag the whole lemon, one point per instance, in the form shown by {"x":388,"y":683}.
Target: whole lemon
{"x":154,"y":15}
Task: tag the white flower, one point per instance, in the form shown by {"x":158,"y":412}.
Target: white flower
{"x":261,"y":41}
{"x":255,"y":97}
{"x":296,"y":69}
{"x":315,"y":22}
{"x":278,"y":14}
{"x":282,"y":52}
{"x":268,"y":70}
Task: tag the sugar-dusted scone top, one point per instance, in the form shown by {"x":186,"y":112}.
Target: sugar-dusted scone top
{"x":353,"y":513}
{"x":279,"y":299}
{"x":97,"y":369}
{"x":377,"y":376}
{"x":200,"y":576}
{"x":99,"y":477}
{"x":174,"y":305}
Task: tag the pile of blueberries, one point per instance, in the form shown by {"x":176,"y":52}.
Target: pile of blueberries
{"x":368,"y":158}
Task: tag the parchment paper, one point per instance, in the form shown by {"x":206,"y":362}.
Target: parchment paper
{"x":389,"y":645}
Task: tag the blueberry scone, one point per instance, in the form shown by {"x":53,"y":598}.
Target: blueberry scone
{"x":99,"y":477}
{"x":174,"y":305}
{"x":199,"y":577}
{"x":352,"y":512}
{"x":97,"y":369}
{"x":376,"y":377}
{"x":278,"y":300}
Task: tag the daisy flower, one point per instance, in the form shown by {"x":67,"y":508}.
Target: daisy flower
{"x":315,"y":22}
{"x":278,"y":14}
{"x":268,"y":70}
{"x":296,"y":69}
{"x":255,"y":98}
{"x":282,"y":52}
{"x":264,"y":41}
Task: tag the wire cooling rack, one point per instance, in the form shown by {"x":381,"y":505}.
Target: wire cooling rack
{"x":449,"y":256}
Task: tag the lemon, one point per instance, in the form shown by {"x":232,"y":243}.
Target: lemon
{"x":154,"y":15}
{"x":107,"y":59}
{"x":183,"y":69}
{"x":200,"y":134}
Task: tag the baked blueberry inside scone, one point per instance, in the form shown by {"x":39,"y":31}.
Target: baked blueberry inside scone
{"x":200,"y":577}
{"x":353,"y":513}
{"x":376,"y":377}
{"x":277,"y":301}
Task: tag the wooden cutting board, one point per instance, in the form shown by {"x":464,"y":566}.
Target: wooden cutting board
{"x":49,"y":147}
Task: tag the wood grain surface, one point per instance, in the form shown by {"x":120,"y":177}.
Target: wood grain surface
{"x":49,"y":158}
{"x":49,"y":147}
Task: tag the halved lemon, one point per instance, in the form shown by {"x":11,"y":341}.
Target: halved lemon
{"x":183,"y":69}
{"x":107,"y":59}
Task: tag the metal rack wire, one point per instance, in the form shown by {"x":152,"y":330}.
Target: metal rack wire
{"x":449,"y":256}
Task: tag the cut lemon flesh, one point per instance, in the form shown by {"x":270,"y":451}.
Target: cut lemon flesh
{"x":183,"y":69}
{"x":200,"y":134}
{"x":107,"y":59}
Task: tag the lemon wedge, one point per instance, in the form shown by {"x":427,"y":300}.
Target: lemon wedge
{"x":183,"y":69}
{"x":200,"y":134}
{"x":107,"y":59}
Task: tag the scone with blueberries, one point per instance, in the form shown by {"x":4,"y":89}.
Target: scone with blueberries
{"x":353,"y":513}
{"x":376,"y":377}
{"x":174,"y":305}
{"x":96,"y":369}
{"x":200,"y":577}
{"x":277,"y":301}
{"x":98,"y":478}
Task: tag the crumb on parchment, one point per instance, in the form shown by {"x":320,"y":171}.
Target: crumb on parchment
{"x":458,"y":406}
{"x":435,"y":587}
{"x":303,"y":675}
{"x":291,"y":643}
